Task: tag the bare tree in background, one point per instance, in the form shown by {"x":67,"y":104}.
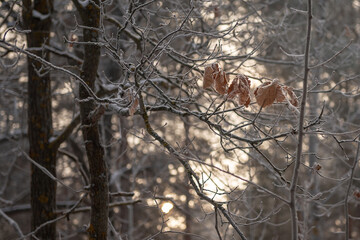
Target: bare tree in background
{"x":37,"y":20}
{"x":99,"y":190}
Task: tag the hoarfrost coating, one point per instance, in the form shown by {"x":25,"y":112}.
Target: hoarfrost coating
{"x":37,"y":14}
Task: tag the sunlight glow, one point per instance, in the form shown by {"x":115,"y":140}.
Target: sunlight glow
{"x":166,"y":207}
{"x":176,"y":222}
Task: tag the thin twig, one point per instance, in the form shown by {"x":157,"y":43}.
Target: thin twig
{"x":111,"y":205}
{"x":294,"y":219}
{"x":10,"y":11}
{"x":46,"y":172}
{"x":217,"y":224}
{"x":33,"y":56}
{"x":72,"y":210}
{"x":12,"y":223}
{"x":55,"y":144}
{"x":334,"y":56}
{"x":122,"y":194}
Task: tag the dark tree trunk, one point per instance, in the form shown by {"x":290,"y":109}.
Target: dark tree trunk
{"x":99,"y":191}
{"x":43,"y":189}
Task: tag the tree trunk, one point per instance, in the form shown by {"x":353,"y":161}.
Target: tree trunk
{"x":43,"y":189}
{"x":99,"y":191}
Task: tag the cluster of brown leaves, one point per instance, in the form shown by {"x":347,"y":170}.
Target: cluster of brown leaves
{"x":266,"y":94}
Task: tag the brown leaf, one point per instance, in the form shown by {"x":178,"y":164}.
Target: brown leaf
{"x":266,"y":93}
{"x":244,"y":85}
{"x":221,"y":80}
{"x":208,"y":77}
{"x":215,"y":67}
{"x":317,"y":167}
{"x":240,"y":86}
{"x":244,"y":100}
{"x":210,"y":74}
{"x":133,"y":106}
{"x":269,"y":92}
{"x":293,"y":99}
{"x":233,"y":90}
{"x":280,"y":95}
{"x":134,"y":102}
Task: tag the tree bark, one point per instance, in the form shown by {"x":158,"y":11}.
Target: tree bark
{"x":43,"y":189}
{"x":99,"y":191}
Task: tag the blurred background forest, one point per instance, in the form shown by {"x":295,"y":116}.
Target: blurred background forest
{"x":181,"y":161}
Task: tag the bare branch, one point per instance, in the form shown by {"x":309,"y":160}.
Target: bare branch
{"x":294,"y":218}
{"x":12,"y":223}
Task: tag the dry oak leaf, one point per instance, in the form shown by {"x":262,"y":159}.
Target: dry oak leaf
{"x":240,"y":86}
{"x":221,"y":80}
{"x":134,"y":103}
{"x":269,"y":92}
{"x":208,"y":76}
{"x":292,"y":97}
{"x":286,"y":94}
{"x":133,"y":106}
{"x":214,"y":75}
